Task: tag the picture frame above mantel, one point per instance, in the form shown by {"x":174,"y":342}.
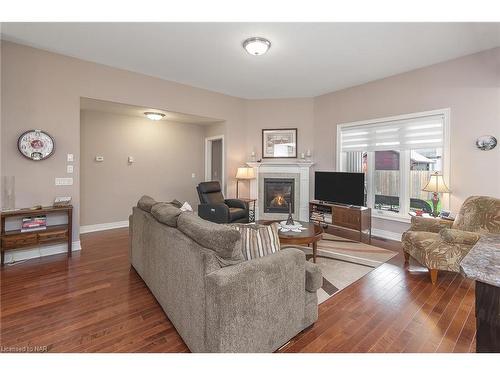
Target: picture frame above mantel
{"x":279,"y":143}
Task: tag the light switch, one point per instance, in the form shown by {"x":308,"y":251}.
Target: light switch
{"x":69,"y":169}
{"x":63,"y":181}
{"x":70,"y":157}
{"x":193,"y":175}
{"x":99,"y":158}
{"x":130,"y":159}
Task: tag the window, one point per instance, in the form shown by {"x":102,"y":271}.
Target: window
{"x":397,"y":156}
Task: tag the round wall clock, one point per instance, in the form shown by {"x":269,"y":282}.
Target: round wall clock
{"x":36,"y":145}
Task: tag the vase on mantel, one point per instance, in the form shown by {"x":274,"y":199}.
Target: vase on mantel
{"x":309,"y":155}
{"x":8,"y":193}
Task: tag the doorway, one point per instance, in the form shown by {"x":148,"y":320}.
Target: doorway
{"x":214,"y":159}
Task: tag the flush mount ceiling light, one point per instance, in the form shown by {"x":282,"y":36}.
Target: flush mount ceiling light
{"x":155,"y":116}
{"x":256,"y":46}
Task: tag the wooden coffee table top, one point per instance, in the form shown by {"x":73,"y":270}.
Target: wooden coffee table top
{"x":310,"y":235}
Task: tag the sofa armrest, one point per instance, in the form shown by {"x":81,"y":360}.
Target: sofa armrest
{"x":455,"y":236}
{"x":236,"y":203}
{"x":428,"y":224}
{"x":216,"y":213}
{"x":314,"y":278}
{"x":257,"y":305}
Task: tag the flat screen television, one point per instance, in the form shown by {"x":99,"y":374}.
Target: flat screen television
{"x":340,"y":187}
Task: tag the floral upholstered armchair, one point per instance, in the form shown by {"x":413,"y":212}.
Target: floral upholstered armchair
{"x":442,"y":244}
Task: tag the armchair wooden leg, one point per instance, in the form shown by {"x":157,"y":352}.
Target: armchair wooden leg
{"x":434,"y":276}
{"x":407,"y":257}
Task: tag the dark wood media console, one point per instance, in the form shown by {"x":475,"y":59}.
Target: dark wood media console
{"x":16,"y":239}
{"x":348,"y":217}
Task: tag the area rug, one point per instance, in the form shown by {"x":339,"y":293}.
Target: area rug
{"x":343,"y":261}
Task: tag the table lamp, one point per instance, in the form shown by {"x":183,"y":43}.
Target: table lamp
{"x":243,"y":173}
{"x":435,"y":186}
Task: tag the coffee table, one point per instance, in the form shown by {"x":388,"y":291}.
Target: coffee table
{"x":310,"y":236}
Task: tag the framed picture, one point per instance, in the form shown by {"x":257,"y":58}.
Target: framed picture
{"x":279,"y":143}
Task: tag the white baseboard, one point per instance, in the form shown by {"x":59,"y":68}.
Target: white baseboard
{"x":103,"y":226}
{"x":38,"y":252}
{"x":386,"y":234}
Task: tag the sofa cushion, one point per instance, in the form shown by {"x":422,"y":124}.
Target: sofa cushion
{"x":222,"y":239}
{"x":258,"y":240}
{"x":166,"y":213}
{"x":146,"y":203}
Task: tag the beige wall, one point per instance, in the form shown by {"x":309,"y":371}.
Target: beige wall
{"x":277,"y":113}
{"x":108,"y":189}
{"x":469,"y":86}
{"x":42,"y":90}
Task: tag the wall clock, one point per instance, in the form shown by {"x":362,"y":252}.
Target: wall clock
{"x":36,"y":145}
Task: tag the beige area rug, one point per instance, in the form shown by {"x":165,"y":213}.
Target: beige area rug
{"x":343,"y":261}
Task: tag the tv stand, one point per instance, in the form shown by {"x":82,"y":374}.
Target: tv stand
{"x":354,"y":218}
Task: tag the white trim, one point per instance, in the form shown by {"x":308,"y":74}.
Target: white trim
{"x":386,"y":215}
{"x":434,"y":112}
{"x":13,"y":256}
{"x":386,"y":234}
{"x":103,"y":226}
{"x":208,"y":160}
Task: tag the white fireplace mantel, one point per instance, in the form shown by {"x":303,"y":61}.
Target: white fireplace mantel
{"x":301,"y":168}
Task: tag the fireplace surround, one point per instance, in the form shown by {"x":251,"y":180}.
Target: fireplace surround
{"x":299,"y":171}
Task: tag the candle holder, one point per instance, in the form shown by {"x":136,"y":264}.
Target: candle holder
{"x":308,"y":155}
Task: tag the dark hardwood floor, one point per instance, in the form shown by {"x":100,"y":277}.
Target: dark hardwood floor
{"x":94,"y":302}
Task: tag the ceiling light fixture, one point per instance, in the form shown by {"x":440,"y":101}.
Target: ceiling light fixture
{"x":256,"y":46}
{"x":155,"y":116}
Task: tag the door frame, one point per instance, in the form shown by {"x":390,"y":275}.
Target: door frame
{"x":208,"y":159}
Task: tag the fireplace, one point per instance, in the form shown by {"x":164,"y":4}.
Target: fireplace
{"x":278,"y":193}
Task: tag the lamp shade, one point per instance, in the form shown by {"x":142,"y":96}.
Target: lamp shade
{"x":436,"y":184}
{"x":245,"y":173}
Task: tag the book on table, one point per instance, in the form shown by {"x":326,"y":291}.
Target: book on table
{"x":34,"y":223}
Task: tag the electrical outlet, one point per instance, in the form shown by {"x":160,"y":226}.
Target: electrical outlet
{"x":70,"y":157}
{"x":193,"y":175}
{"x":69,"y":169}
{"x":99,"y":158}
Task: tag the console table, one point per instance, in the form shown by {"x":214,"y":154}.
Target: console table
{"x":482,"y":264}
{"x":15,"y":239}
{"x":353,"y":218}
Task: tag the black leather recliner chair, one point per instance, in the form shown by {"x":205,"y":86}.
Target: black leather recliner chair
{"x":213,"y":207}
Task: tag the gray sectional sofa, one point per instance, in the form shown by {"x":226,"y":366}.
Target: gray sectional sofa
{"x":217,"y":301}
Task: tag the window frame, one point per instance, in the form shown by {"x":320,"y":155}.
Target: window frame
{"x":404,"y":163}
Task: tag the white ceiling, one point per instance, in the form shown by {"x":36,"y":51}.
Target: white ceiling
{"x":305,"y":59}
{"x":87,"y":104}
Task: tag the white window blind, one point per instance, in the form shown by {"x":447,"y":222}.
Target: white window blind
{"x":420,"y":132}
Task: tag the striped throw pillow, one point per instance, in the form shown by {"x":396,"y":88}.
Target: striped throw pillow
{"x":258,"y":240}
